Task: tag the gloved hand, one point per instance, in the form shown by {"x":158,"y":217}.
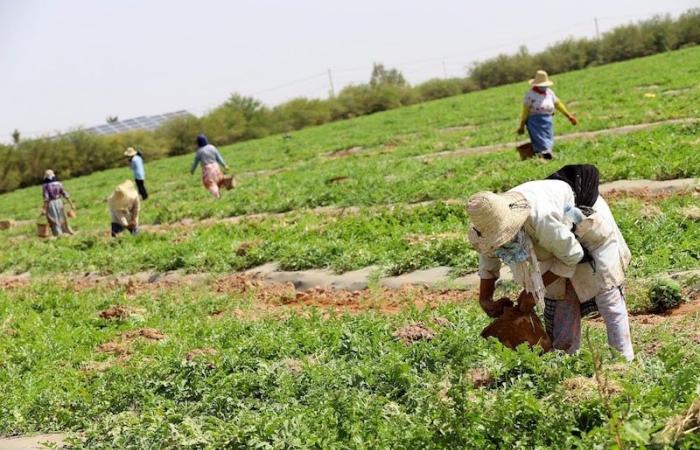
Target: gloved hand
{"x":495,"y":309}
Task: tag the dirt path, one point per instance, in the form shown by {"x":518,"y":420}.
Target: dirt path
{"x":626,"y":129}
{"x":53,"y":440}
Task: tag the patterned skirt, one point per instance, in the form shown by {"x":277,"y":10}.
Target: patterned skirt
{"x":211,"y":177}
{"x":57,"y":216}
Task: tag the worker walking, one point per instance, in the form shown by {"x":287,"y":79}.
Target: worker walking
{"x":137,"y":167}
{"x":211,"y":159}
{"x":53,"y":194}
{"x":538,"y":112}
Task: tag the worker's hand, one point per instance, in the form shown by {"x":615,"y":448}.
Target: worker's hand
{"x":573,"y":119}
{"x":495,"y":309}
{"x":526,"y":302}
{"x":521,"y":130}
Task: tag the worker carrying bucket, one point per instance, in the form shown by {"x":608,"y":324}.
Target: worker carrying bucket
{"x":53,"y":209}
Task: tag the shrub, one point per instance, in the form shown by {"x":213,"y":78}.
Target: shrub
{"x":180,"y":134}
{"x":664,"y":294}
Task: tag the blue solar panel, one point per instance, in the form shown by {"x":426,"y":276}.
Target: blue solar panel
{"x":137,"y":123}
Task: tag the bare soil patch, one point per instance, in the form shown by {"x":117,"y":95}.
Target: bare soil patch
{"x":200,"y":352}
{"x":120,"y":312}
{"x":344,"y":153}
{"x":480,"y":377}
{"x":412,"y":333}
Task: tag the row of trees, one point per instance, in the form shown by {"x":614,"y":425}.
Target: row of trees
{"x":241,"y":118}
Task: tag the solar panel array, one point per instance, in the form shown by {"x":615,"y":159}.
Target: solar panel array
{"x":137,"y":123}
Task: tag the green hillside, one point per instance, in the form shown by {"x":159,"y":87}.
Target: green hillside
{"x":233,"y":364}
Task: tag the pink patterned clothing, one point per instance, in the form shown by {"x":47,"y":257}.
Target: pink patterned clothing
{"x":211,"y":177}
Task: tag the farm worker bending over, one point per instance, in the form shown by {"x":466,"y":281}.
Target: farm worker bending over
{"x":562,"y":244}
{"x":210,"y":158}
{"x":53,"y":193}
{"x":124,"y":206}
{"x":538,"y":109}
{"x":136,"y":163}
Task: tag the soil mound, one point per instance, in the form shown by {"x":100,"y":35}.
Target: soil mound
{"x":413,"y":333}
{"x":514,"y":328}
{"x":120,"y":312}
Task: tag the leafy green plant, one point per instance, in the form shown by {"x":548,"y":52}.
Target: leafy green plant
{"x":664,"y":294}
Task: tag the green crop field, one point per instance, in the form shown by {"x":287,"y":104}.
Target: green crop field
{"x":271,"y":371}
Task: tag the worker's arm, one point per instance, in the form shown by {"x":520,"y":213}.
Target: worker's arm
{"x":220,"y":159}
{"x":489,"y":271}
{"x":195,"y":163}
{"x":523,"y":119}
{"x":134,"y":223}
{"x":559,"y":105}
{"x":487,"y":287}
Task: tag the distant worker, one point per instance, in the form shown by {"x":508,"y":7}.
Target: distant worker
{"x":211,"y":159}
{"x":124,"y":206}
{"x":563,"y":246}
{"x":136,"y":163}
{"x":538,"y":109}
{"x":54,"y":193}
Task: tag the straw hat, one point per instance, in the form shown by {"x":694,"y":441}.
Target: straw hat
{"x":49,"y":174}
{"x":541,"y":79}
{"x":123,"y":196}
{"x":496,"y":218}
{"x":130,"y":152}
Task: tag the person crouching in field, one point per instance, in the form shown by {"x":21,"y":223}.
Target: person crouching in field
{"x":562,"y":244}
{"x":54,"y":193}
{"x":537,"y":114}
{"x":211,"y":159}
{"x":136,"y":163}
{"x":124,"y":206}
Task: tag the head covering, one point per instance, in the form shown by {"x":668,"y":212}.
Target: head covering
{"x":202,"y":140}
{"x":496,"y":218}
{"x":583,"y":179}
{"x":49,"y":174}
{"x":123,"y":196}
{"x":541,"y":79}
{"x":130,"y":152}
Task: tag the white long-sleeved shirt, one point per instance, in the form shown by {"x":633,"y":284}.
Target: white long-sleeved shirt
{"x":549,"y":228}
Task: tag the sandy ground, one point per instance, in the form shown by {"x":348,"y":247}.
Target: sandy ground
{"x":32,"y":442}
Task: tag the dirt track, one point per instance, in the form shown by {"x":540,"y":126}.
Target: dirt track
{"x":626,"y":129}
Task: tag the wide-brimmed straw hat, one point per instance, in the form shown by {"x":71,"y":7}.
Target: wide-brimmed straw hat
{"x":123,"y":196}
{"x":496,"y":218}
{"x":130,"y":152}
{"x":541,"y":79}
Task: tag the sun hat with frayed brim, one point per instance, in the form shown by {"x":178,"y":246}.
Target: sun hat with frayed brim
{"x":123,"y":196}
{"x":496,"y":218}
{"x":130,"y":152}
{"x":541,"y":79}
